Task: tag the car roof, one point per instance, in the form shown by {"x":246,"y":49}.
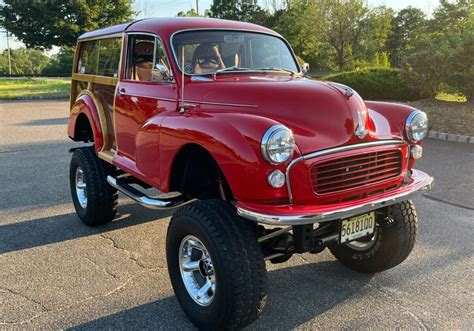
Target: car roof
{"x":165,"y":27}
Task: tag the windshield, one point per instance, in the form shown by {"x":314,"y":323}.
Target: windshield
{"x":208,"y":52}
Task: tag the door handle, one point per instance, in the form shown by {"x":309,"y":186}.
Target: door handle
{"x":122,"y":91}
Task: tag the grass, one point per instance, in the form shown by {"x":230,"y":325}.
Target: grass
{"x":41,"y":88}
{"x":450,"y":97}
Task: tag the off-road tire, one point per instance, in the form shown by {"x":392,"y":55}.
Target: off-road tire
{"x":101,"y":197}
{"x":393,"y":243}
{"x":238,"y":261}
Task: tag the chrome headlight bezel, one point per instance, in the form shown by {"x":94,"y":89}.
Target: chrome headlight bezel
{"x":287,"y":150}
{"x":417,"y":120}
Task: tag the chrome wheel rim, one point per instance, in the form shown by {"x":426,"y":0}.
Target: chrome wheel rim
{"x":81,"y":188}
{"x":363,"y":245}
{"x":197,"y":270}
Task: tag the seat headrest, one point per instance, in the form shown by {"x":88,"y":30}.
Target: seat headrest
{"x":204,"y":50}
{"x":144,"y":48}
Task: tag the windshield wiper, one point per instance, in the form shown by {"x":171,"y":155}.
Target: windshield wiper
{"x":292,"y":73}
{"x":233,"y":68}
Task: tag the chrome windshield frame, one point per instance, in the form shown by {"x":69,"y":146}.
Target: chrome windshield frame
{"x":175,"y":57}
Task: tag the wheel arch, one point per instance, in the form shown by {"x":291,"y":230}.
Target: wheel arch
{"x":84,"y":122}
{"x":195,"y":172}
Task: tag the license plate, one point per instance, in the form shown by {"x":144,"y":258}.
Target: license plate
{"x":357,"y":227}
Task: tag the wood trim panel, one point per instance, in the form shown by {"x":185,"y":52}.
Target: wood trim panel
{"x":102,"y":119}
{"x":95,"y":79}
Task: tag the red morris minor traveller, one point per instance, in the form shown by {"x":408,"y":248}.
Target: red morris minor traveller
{"x":260,"y":161}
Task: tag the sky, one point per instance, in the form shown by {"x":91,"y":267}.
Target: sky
{"x":164,"y":8}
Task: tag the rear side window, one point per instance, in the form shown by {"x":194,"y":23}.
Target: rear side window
{"x":100,"y":57}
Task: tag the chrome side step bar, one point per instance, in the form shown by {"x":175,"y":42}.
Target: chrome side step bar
{"x":143,"y":199}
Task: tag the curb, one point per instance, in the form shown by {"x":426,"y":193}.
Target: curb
{"x":450,"y":137}
{"x":39,"y":97}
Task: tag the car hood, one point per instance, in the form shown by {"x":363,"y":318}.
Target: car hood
{"x":320,"y":114}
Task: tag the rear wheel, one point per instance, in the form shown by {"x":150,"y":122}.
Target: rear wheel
{"x":389,"y":246}
{"x":94,"y":199}
{"x":215,"y":265}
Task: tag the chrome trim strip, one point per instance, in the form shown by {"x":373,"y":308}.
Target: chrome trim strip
{"x":333,"y":215}
{"x":272,"y":33}
{"x":147,"y":96}
{"x":221,"y":104}
{"x":333,"y":151}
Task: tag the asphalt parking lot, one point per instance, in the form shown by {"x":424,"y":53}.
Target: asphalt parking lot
{"x":57,"y":273}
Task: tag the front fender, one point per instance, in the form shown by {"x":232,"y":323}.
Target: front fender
{"x":389,"y":118}
{"x":85,"y":105}
{"x":233,"y":140}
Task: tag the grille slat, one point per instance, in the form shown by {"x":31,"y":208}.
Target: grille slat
{"x":352,"y":171}
{"x":394,"y":159}
{"x":355,"y":171}
{"x":393,"y":171}
{"x":357,"y":158}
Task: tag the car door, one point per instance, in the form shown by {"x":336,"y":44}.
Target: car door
{"x":145,"y":93}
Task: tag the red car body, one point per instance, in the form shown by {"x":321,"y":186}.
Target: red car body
{"x":227,"y":116}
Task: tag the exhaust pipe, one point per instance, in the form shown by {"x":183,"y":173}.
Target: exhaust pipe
{"x":143,"y":199}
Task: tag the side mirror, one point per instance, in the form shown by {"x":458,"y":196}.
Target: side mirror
{"x":304,"y":69}
{"x":162,"y":72}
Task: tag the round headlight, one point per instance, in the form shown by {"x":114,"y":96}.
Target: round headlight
{"x":416,"y":126}
{"x":278,"y":144}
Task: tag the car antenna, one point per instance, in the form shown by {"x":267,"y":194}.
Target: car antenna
{"x":181,"y":110}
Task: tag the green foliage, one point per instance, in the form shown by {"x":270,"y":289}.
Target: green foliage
{"x":61,"y":63}
{"x":442,"y":58}
{"x":238,"y":10}
{"x":25,"y":62}
{"x":381,"y":60}
{"x":343,"y":24}
{"x":407,"y":30}
{"x":43,"y":24}
{"x":189,"y":13}
{"x":378,"y":84}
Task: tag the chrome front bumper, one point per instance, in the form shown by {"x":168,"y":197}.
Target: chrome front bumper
{"x":299,"y":215}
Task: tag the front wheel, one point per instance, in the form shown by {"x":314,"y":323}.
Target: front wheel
{"x":389,"y":246}
{"x":215,"y":265}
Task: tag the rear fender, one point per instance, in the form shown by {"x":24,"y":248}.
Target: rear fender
{"x":86,"y":105}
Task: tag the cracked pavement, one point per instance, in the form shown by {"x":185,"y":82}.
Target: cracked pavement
{"x":57,"y":273}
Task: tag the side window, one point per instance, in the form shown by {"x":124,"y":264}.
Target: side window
{"x":100,"y":57}
{"x":88,"y":58}
{"x":109,"y":57}
{"x":146,"y":60}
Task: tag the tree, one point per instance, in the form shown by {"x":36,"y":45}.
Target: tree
{"x":189,"y":13}
{"x":43,"y":24}
{"x":25,"y":62}
{"x":302,"y":24}
{"x":408,"y":26}
{"x":61,"y":63}
{"x":375,"y":30}
{"x":442,"y":57}
{"x":238,"y":10}
{"x":343,"y":28}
